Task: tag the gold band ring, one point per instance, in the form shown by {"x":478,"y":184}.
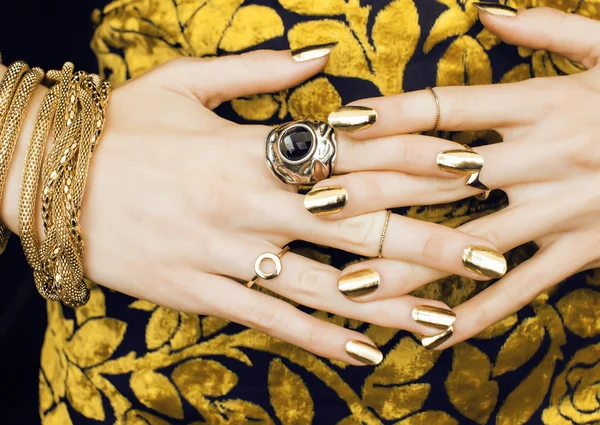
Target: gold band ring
{"x":260,"y":274}
{"x":474,"y":182}
{"x":383,"y":232}
{"x":437,"y":108}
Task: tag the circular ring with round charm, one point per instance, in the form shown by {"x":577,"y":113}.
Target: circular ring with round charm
{"x":302,"y":153}
{"x":260,"y":273}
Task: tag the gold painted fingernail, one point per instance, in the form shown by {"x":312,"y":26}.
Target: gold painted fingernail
{"x":460,"y":161}
{"x":496,"y":9}
{"x":439,"y":318}
{"x":313,"y":52}
{"x":431,"y":342}
{"x":359,"y":283}
{"x":326,"y":200}
{"x":364,"y":353}
{"x":352,"y":118}
{"x":484,"y":261}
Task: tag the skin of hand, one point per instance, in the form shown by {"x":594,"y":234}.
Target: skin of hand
{"x":180,"y":203}
{"x":548,"y":165}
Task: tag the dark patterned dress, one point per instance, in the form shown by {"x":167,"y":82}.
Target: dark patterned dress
{"x":129,"y":362}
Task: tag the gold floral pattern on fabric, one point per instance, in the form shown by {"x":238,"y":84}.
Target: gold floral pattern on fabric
{"x":129,"y":362}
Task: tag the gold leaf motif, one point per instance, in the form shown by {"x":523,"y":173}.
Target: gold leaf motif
{"x":95,"y":307}
{"x":143,"y":305}
{"x":289,"y":395}
{"x":187,"y":333}
{"x":315,"y":7}
{"x":346,"y":60}
{"x":452,"y":22}
{"x":488,"y":39}
{"x":396,"y":33}
{"x":136,"y":417}
{"x":212,"y":325}
{"x":542,"y":65}
{"x":464,"y":63}
{"x":469,"y":386}
{"x":518,"y":73}
{"x":199,"y":378}
{"x":243,"y":412}
{"x":388,"y":390}
{"x":380,"y":335}
{"x":256,"y":108}
{"x":205,"y":28}
{"x":315,"y":99}
{"x":499,"y":328}
{"x":54,"y":364}
{"x":156,"y":392}
{"x":432,"y":417}
{"x":251,"y":25}
{"x":349,"y":421}
{"x":580,"y":310}
{"x":95,"y":341}
{"x":113,"y":67}
{"x":58,"y":416}
{"x":593,"y":277}
{"x":520,"y":346}
{"x":521,"y":404}
{"x":83,"y":395}
{"x":45,"y":393}
{"x":575,"y":396}
{"x":161,"y":327}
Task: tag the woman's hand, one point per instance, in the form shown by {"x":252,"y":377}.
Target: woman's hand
{"x":180,"y":203}
{"x":549,"y":166}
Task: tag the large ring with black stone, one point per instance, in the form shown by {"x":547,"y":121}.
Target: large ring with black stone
{"x":302,"y":152}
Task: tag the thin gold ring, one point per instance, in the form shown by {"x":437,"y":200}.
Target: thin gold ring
{"x":384,"y":231}
{"x":437,"y":108}
{"x":260,"y":274}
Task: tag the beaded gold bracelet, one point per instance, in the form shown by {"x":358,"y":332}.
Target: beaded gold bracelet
{"x":74,"y":110}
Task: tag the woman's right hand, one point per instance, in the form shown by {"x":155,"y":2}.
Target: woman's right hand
{"x":180,"y":203}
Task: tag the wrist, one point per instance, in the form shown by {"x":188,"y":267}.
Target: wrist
{"x":9,"y":203}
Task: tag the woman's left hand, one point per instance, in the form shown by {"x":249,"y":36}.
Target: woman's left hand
{"x":548,"y":165}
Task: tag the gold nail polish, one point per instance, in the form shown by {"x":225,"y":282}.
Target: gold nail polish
{"x":431,"y":342}
{"x":460,"y":161}
{"x":313,"y":52}
{"x":359,"y":283}
{"x":326,"y":200}
{"x":364,"y":353}
{"x":484,"y":261}
{"x":352,"y":118}
{"x":496,"y":9}
{"x":439,"y":318}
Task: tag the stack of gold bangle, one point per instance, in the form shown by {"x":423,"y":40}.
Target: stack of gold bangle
{"x":74,"y":111}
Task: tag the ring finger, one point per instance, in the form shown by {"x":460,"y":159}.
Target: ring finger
{"x":314,"y":285}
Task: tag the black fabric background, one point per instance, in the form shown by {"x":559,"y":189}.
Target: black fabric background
{"x":44,"y":33}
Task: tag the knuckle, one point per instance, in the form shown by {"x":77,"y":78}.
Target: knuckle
{"x":263,"y":319}
{"x":314,"y":338}
{"x":432,"y":247}
{"x":359,"y":234}
{"x":310,"y":282}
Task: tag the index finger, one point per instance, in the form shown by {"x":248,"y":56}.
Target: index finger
{"x":461,"y":108}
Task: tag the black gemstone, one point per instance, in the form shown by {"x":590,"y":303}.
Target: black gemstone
{"x":296,"y":143}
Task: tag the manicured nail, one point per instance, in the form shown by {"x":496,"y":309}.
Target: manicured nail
{"x":496,"y":9}
{"x":353,"y":118}
{"x":460,"y":161}
{"x":364,"y":353}
{"x":439,"y":318}
{"x":326,"y":200}
{"x":431,"y":342}
{"x":313,"y":52}
{"x":359,"y":283}
{"x":484,"y":261}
